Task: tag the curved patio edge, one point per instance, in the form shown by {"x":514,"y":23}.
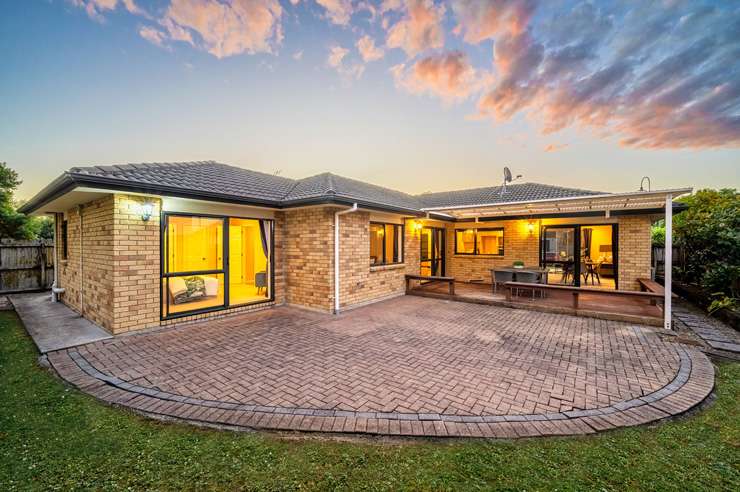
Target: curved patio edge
{"x":692,"y":384}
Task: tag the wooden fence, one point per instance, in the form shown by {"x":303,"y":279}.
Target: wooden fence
{"x":26,"y":265}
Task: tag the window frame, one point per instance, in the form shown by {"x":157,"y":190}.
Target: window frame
{"x":401,"y":255}
{"x":475,"y":242}
{"x":65,"y":239}
{"x":164,"y":258}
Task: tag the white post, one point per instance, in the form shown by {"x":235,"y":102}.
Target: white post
{"x":668,"y":261}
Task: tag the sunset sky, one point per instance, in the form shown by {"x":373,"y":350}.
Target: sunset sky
{"x":416,"y":95}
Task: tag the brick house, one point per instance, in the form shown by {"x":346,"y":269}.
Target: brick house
{"x":145,"y":245}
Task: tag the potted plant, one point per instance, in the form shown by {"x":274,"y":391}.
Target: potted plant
{"x":518,"y":264}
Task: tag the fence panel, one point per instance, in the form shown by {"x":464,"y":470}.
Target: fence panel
{"x":26,"y":265}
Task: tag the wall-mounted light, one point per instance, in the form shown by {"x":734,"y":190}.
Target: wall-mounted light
{"x":417,"y":225}
{"x":146,"y":210}
{"x":530,"y":228}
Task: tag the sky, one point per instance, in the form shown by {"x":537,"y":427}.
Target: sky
{"x":415,"y":95}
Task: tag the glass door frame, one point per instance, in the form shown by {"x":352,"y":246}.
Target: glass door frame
{"x":164,"y":276}
{"x":437,"y":233}
{"x":577,"y":249}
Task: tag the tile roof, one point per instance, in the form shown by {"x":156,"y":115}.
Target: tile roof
{"x":519,"y":192}
{"x":204,"y":176}
{"x":229,"y":183}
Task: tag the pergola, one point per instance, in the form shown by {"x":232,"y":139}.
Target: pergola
{"x":658,"y":202}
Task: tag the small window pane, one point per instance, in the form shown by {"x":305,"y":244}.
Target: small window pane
{"x":376,"y":243}
{"x":491,"y":242}
{"x":465,"y":241}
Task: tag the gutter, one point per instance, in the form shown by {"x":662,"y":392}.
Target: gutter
{"x":336,"y":253}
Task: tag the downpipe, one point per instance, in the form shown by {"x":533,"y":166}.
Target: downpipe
{"x":336,"y":253}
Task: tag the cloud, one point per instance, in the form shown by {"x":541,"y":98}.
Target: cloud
{"x":652,"y":77}
{"x":368,"y":50}
{"x":447,"y":76}
{"x":337,"y":60}
{"x":338,"y":11}
{"x":479,"y":20}
{"x":96,"y":8}
{"x":298,"y":55}
{"x":420,"y":28}
{"x":554,"y":147}
{"x":226,"y":28}
{"x":154,"y":36}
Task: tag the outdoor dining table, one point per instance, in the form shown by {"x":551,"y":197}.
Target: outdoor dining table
{"x":537,"y":270}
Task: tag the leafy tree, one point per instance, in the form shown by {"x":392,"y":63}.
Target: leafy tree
{"x":709,"y":233}
{"x":13,"y":225}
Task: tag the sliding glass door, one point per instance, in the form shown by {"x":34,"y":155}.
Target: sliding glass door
{"x":581,"y":255}
{"x":211,"y":263}
{"x":432,"y":251}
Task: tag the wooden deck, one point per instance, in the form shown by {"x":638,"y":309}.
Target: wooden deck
{"x":591,"y":304}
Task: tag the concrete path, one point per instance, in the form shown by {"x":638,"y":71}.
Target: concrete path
{"x":52,"y":325}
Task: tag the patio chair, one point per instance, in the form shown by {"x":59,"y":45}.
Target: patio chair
{"x":530,"y":278}
{"x":500,"y":276}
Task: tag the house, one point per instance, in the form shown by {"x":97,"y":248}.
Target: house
{"x":145,"y":245}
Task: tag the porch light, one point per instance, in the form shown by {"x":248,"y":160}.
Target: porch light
{"x":417,"y":225}
{"x":530,"y":228}
{"x":146,"y":210}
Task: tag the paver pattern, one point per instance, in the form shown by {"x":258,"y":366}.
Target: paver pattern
{"x":429,"y":367}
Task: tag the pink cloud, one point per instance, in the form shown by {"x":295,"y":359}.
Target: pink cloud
{"x":226,"y":29}
{"x":338,"y":11}
{"x":554,"y":147}
{"x":479,"y":20}
{"x":154,"y":36}
{"x":420,"y":29}
{"x":96,"y":8}
{"x":368,"y":50}
{"x":447,"y":76}
{"x":337,"y":60}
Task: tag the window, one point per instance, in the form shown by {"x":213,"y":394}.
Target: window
{"x":65,"y":241}
{"x":212,"y":263}
{"x":386,"y":243}
{"x":479,"y":242}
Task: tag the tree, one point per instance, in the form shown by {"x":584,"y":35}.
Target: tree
{"x":709,"y":233}
{"x":13,"y":225}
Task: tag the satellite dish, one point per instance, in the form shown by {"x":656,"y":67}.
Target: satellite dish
{"x":508,"y":179}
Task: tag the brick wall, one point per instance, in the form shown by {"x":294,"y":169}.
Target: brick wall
{"x":309,"y":257}
{"x":519,"y":244}
{"x":634,"y":250}
{"x":361,"y":283}
{"x":136,"y":248}
{"x":88,"y":285}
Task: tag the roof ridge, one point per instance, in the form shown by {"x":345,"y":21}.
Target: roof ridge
{"x":332,"y":186}
{"x":138,"y":165}
{"x":510,"y":185}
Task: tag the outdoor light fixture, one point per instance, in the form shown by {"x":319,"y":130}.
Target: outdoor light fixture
{"x":530,"y":228}
{"x":147,"y":209}
{"x":417,"y":225}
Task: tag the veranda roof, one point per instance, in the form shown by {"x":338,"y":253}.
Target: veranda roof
{"x":618,"y":203}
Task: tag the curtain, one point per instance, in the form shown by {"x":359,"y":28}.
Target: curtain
{"x":265,"y":236}
{"x":587,"y":242}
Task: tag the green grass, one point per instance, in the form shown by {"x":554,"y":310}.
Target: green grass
{"x":53,"y":437}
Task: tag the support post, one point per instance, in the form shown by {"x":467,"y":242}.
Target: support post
{"x":668,"y":262}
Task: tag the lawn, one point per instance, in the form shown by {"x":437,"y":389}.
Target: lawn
{"x":53,"y":437}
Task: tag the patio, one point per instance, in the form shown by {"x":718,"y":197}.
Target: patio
{"x":408,"y":366}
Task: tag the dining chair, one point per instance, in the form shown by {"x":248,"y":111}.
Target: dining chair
{"x":500,"y":276}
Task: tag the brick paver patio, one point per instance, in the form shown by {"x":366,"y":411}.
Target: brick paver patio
{"x":408,"y":366}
